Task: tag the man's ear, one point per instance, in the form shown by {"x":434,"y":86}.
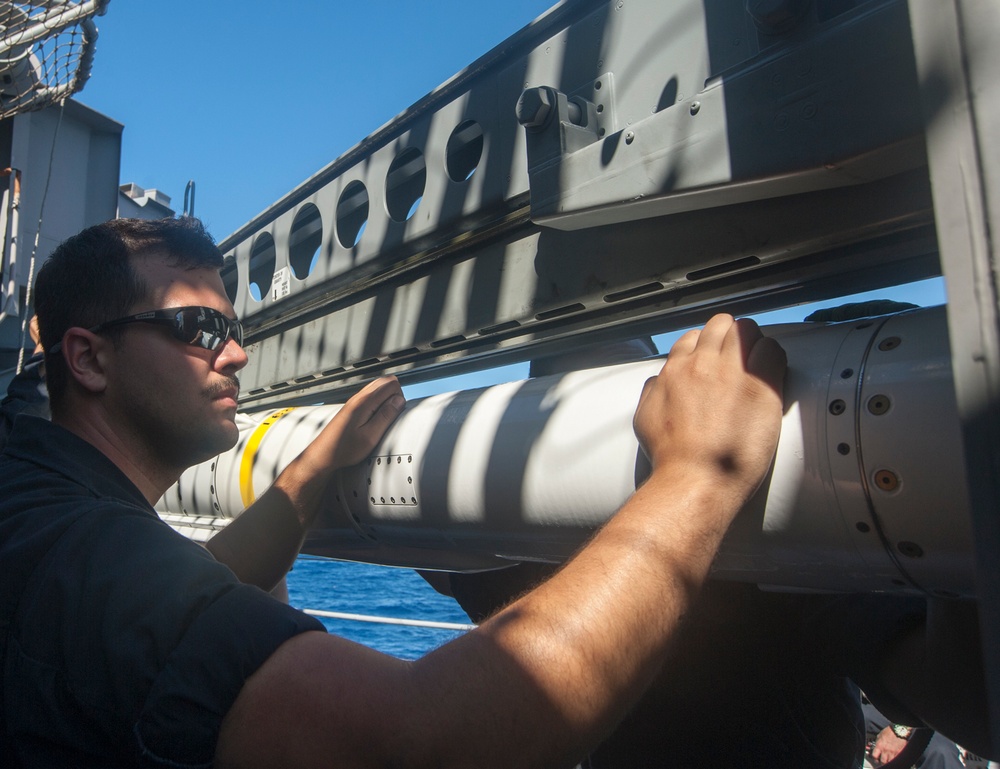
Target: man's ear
{"x":85,"y":355}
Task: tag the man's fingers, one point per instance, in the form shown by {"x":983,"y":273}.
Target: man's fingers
{"x":716,"y":332}
{"x":687,"y":343}
{"x":380,"y":402}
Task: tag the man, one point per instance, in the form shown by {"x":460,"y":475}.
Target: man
{"x":126,"y":645}
{"x":26,"y":393}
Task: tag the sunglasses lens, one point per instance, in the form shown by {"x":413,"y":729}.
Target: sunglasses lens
{"x":205,"y":327}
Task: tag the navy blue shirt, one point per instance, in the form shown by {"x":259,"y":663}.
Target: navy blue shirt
{"x":122,"y":642}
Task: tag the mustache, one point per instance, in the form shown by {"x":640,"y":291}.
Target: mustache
{"x":229,"y":382}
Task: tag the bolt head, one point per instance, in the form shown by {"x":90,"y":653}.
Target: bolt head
{"x":535,"y":107}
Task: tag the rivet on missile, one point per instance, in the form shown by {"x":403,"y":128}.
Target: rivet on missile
{"x":838,"y":407}
{"x":890,"y":343}
{"x":886,"y":480}
{"x":910,"y":549}
{"x":879,"y":404}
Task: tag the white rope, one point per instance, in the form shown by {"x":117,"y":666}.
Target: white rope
{"x":38,"y":232}
{"x":389,"y":620}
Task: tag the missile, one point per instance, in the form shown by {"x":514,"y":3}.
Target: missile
{"x":866,"y":493}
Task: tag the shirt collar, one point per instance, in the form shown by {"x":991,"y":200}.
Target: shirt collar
{"x":48,"y":445}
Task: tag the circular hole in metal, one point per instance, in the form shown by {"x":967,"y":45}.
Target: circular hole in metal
{"x":404,"y":184}
{"x":413,"y":500}
{"x":392,"y":499}
{"x":352,"y":214}
{"x":847,"y":373}
{"x":838,"y":407}
{"x":910,"y":549}
{"x":372,"y":499}
{"x":879,"y":404}
{"x":304,"y":241}
{"x":262,"y":261}
{"x":464,"y":151}
{"x":843,"y":449}
{"x":889,"y":343}
{"x":230,"y":278}
{"x":863,"y":527}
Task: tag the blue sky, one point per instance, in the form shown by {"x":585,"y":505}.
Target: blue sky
{"x":250,"y":99}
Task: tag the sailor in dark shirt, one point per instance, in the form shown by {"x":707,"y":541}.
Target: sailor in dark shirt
{"x":122,"y":642}
{"x":124,"y":645}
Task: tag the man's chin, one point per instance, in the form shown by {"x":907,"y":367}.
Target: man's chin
{"x":218,"y":442}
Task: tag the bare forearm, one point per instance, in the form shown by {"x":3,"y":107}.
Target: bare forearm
{"x":261,"y":544}
{"x":562,"y":665}
{"x":539,"y":684}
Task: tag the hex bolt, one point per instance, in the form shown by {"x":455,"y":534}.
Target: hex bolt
{"x":886,"y":480}
{"x":535,"y":107}
{"x":879,"y":404}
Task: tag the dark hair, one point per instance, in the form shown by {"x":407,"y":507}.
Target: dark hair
{"x":90,"y":279}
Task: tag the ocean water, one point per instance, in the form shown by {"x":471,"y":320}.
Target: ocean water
{"x":355,"y":588}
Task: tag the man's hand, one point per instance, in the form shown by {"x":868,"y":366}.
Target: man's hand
{"x":358,"y":427}
{"x":715,"y":407}
{"x":261,"y":544}
{"x":887,"y":746}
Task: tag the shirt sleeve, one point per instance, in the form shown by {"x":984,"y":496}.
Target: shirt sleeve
{"x":149,"y":637}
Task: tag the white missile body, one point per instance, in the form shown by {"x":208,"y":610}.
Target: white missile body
{"x":867,"y":491}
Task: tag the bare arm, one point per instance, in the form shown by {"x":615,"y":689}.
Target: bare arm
{"x":261,"y":544}
{"x":542,"y":681}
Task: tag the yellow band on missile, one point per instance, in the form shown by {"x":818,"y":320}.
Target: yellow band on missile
{"x":250,"y":454}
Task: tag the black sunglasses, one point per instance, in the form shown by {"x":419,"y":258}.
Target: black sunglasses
{"x":196,"y":326}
